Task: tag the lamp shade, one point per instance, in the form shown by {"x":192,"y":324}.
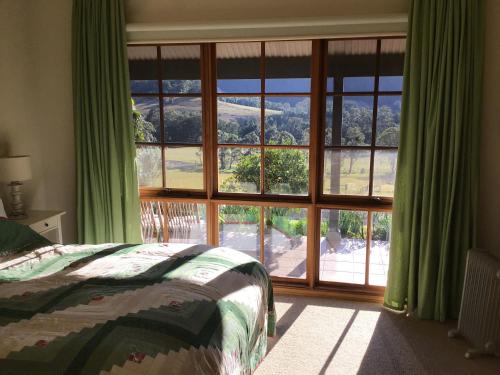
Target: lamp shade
{"x":15,"y":168}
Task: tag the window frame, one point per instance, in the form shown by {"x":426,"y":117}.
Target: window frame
{"x":161,"y":95}
{"x":363,"y":201}
{"x":315,"y":200}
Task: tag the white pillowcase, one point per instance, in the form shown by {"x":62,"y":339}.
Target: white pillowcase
{"x":2,"y":210}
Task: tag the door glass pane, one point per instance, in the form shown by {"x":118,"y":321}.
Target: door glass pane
{"x":146,"y":117}
{"x":388,"y":120}
{"x":384,"y":172}
{"x":181,"y":72}
{"x":287,"y":120}
{"x":379,"y":248}
{"x":183,"y":120}
{"x":174,"y":222}
{"x":343,"y":246}
{"x":184,"y":167}
{"x":239,"y":170}
{"x":149,"y":166}
{"x":238,"y":67}
{"x":143,"y":69}
{"x":288,"y":66}
{"x":286,"y":171}
{"x":285,"y":241}
{"x":392,"y":64}
{"x":187,"y":222}
{"x":239,"y":228}
{"x":238,"y":120}
{"x":351,"y":65}
{"x":357,"y":116}
{"x":346,"y":172}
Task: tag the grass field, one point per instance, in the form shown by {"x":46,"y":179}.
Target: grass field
{"x":184,"y":170}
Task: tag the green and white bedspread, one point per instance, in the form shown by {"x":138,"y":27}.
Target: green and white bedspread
{"x":133,"y":309}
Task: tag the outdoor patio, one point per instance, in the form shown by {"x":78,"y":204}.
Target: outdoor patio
{"x":285,"y":256}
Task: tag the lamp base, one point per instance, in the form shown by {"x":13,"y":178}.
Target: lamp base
{"x":17,"y":206}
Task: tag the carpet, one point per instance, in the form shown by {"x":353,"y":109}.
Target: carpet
{"x":331,"y":336}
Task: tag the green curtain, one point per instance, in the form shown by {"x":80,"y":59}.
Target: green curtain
{"x":434,"y":211}
{"x":107,"y":194}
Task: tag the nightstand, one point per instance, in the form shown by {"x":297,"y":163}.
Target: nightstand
{"x":46,"y":223}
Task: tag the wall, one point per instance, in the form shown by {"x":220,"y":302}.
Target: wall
{"x":203,"y":11}
{"x":489,"y":196}
{"x":36,"y":115}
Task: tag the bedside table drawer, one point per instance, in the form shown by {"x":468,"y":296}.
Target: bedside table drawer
{"x":45,"y":225}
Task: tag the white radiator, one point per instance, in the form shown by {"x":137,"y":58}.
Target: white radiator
{"x":479,"y":319}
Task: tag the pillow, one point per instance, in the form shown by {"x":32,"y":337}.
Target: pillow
{"x":2,"y":210}
{"x":16,"y":238}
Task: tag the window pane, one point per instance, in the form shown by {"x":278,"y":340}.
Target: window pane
{"x":343,"y":246}
{"x":351,"y":65}
{"x":392,"y":64}
{"x":346,"y":172}
{"x":357,"y":117}
{"x":146,"y":117}
{"x":238,"y":120}
{"x":287,"y":120}
{"x":288,"y":66}
{"x":184,"y":167}
{"x":238,"y":67}
{"x":379,"y":248}
{"x":143,"y":69}
{"x":286,"y":171}
{"x":388,"y":120}
{"x":329,"y":129}
{"x":149,"y":166}
{"x":187,"y":222}
{"x":239,"y":170}
{"x":384,"y":172}
{"x":285,"y":241}
{"x":182,"y":117}
{"x":239,"y":228}
{"x":174,"y":222}
{"x":181,"y":69}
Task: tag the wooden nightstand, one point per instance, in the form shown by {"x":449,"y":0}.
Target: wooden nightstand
{"x":46,"y":223}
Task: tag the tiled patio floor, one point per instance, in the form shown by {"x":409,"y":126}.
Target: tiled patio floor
{"x":286,"y":257}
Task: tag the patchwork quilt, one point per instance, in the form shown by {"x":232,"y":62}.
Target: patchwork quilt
{"x":133,"y":309}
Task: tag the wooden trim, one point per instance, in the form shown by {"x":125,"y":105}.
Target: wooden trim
{"x":323,"y":292}
{"x":374,"y":119}
{"x":242,"y":145}
{"x":368,"y":246}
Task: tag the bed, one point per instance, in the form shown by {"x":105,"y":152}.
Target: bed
{"x":129,"y":309}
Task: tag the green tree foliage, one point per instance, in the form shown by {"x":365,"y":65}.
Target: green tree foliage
{"x":144,"y":131}
{"x":286,"y":171}
{"x":183,"y":126}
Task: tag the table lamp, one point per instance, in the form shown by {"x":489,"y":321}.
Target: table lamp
{"x":14,"y":170}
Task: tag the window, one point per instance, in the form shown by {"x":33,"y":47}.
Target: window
{"x":165,"y":82}
{"x":263,"y":117}
{"x":362,"y":116}
{"x":284,"y":150}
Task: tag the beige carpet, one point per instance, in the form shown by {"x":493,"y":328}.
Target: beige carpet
{"x":326,"y":336}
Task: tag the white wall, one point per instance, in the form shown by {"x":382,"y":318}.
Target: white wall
{"x":36,"y":97}
{"x":208,"y":11}
{"x":36,"y":115}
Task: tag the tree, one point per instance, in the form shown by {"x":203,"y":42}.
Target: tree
{"x":286,"y":171}
{"x":144,"y":131}
{"x":354,"y":137}
{"x":389,"y":137}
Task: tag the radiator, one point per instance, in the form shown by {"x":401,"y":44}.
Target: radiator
{"x":479,"y":319}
